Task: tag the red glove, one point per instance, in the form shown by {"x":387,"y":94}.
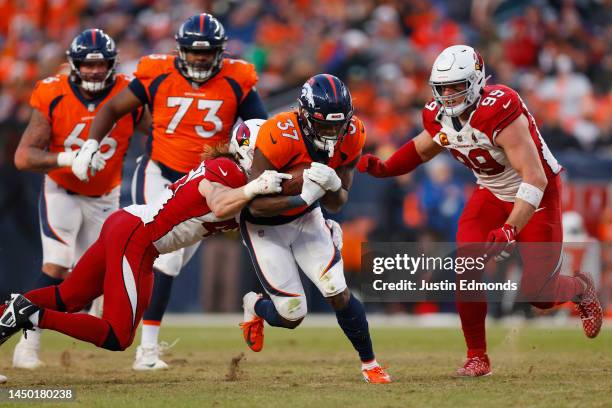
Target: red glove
{"x":403,"y":161}
{"x":501,"y":243}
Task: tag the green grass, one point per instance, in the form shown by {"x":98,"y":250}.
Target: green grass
{"x":317,"y":367}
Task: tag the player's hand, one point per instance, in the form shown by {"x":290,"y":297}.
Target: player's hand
{"x":82,"y":161}
{"x":268,"y":182}
{"x":324,"y":176}
{"x":65,"y":159}
{"x":311,"y":190}
{"x":501,"y":243}
{"x":97,"y":163}
{"x":336,"y":232}
{"x":368,"y":163}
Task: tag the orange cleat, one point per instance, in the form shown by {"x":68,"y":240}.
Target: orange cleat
{"x":376,"y":375}
{"x":475,"y":367}
{"x":589,"y":307}
{"x":253,"y":333}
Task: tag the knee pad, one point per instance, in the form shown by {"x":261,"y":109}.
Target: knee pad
{"x":291,"y":308}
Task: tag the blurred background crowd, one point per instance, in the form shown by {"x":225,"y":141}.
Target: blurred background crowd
{"x":555,"y":53}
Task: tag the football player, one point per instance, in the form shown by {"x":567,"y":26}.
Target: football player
{"x":284,"y":233}
{"x":194,"y":99}
{"x":120,"y":263}
{"x":72,"y":210}
{"x":489,"y":129}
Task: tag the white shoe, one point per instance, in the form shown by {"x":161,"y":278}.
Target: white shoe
{"x":147,"y":356}
{"x":248,"y":304}
{"x":25,"y":354}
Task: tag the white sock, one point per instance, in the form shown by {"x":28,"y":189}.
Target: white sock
{"x":33,"y":339}
{"x":34,"y":318}
{"x":150,"y":333}
{"x":369,"y":365}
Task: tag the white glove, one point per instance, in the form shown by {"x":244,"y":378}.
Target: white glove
{"x":325,"y":176}
{"x":65,"y":159}
{"x":97,"y":163}
{"x":336,"y":232}
{"x":268,"y":182}
{"x":80,"y":164}
{"x":311,"y":191}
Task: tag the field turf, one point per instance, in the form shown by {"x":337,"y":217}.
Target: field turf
{"x":316,"y":367}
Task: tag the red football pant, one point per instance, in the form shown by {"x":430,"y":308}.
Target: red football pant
{"x":119,"y":265}
{"x":541,"y":279}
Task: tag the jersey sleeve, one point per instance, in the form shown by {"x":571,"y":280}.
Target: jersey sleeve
{"x":243,"y":73}
{"x":498,"y":107}
{"x":353,"y":142}
{"x":43,"y":96}
{"x":273,"y":145}
{"x":429,"y":115}
{"x":225,"y":171}
{"x":149,"y":68}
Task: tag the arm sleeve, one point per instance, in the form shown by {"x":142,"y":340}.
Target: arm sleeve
{"x":139,"y":90}
{"x":225,"y":171}
{"x":252,"y":107}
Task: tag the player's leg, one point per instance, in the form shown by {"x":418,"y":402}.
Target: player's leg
{"x":542,"y":284}
{"x":483,"y":213}
{"x":275,"y":267}
{"x":95,"y":212}
{"x":321,"y":261}
{"x":60,"y":221}
{"x":147,"y":184}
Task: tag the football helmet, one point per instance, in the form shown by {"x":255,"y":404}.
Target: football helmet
{"x":325,"y":111}
{"x":458,"y":64}
{"x":92,"y":45}
{"x":201,"y":33}
{"x":242,"y":143}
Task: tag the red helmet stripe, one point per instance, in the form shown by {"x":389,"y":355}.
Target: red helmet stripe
{"x":333,"y":84}
{"x":93,"y":37}
{"x":201,"y":22}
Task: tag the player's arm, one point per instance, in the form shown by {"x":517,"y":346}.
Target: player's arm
{"x":144,"y":125}
{"x":225,"y":202}
{"x":408,"y":157}
{"x":252,"y":107}
{"x":273,"y":205}
{"x":333,"y":201}
{"x":117,"y":107}
{"x":522,"y":153}
{"x":32,"y":151}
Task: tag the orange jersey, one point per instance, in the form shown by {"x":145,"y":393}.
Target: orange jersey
{"x":70,"y":116}
{"x":187,"y":117}
{"x":281,"y":141}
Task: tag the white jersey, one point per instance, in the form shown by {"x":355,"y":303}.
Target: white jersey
{"x":473,"y":143}
{"x":180,"y":216}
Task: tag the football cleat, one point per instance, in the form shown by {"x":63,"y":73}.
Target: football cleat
{"x":376,"y":375}
{"x":253,"y":325}
{"x":147,"y":357}
{"x":589,"y":307}
{"x":25,"y":354}
{"x":16,"y":317}
{"x":475,"y":367}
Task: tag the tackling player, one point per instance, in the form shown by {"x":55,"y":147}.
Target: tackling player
{"x":489,"y":129}
{"x":194,"y":99}
{"x":120,"y":263}
{"x":72,"y":211}
{"x":284,"y":233}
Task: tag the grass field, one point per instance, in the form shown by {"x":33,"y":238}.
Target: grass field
{"x":317,"y":367}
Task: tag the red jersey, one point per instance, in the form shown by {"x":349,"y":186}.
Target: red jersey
{"x":181,"y":217}
{"x":281,"y":141}
{"x":70,"y":116}
{"x":473,"y":143}
{"x":188,"y":116}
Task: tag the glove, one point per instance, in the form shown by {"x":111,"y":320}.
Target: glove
{"x":501,"y":243}
{"x":268,"y":182}
{"x":336,"y":232}
{"x":80,"y":164}
{"x":324,"y":176}
{"x":372,"y":165}
{"x":97,"y":163}
{"x":311,"y":191}
{"x":65,"y":159}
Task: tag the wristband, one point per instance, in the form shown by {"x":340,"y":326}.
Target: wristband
{"x":530,"y":194}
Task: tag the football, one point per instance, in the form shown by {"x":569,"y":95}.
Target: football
{"x":294,"y":185}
